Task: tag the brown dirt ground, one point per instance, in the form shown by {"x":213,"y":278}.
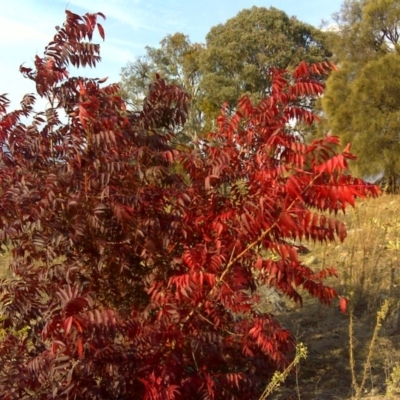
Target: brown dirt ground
{"x":325,"y":373}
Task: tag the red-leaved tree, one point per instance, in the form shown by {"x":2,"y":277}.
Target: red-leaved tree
{"x":136,"y":260}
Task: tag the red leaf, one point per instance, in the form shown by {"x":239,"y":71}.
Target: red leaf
{"x":80,"y":348}
{"x":82,"y":115}
{"x":343,"y":305}
{"x":101,"y":30}
{"x":67,"y":325}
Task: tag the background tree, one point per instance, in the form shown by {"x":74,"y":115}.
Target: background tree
{"x":235,"y":61}
{"x":177,"y":61}
{"x":362,"y":100}
{"x":240,"y":53}
{"x":134,"y":281}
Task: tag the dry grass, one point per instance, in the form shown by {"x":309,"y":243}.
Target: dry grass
{"x":368,"y":259}
{"x":369,"y":274}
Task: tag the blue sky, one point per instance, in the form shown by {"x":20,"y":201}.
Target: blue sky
{"x":26,"y":26}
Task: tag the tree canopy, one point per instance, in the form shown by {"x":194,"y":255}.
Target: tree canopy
{"x":178,"y":61}
{"x":235,"y":60}
{"x":240,"y":53}
{"x":362,"y":99}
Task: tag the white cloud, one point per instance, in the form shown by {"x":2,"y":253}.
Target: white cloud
{"x":122,"y":11}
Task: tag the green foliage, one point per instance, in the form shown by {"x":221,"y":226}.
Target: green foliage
{"x":240,"y":53}
{"x":236,"y":60}
{"x":362,"y":99}
{"x":177,"y":61}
